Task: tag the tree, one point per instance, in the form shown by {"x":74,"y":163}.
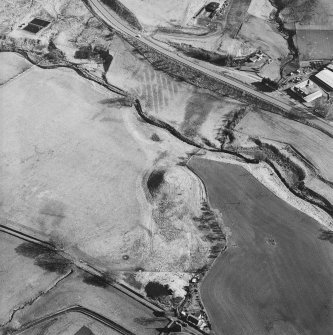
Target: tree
{"x":322,"y":108}
{"x":273,"y":85}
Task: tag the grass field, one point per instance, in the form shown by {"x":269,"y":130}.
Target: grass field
{"x":104,"y":300}
{"x":306,"y":12}
{"x":261,"y":9}
{"x":15,"y":65}
{"x":235,"y":17}
{"x":21,"y":279}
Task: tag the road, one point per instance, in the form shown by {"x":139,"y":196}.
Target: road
{"x":26,"y":237}
{"x":111,"y":19}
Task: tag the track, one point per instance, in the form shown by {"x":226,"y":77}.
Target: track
{"x":77,"y":309}
{"x":25,"y":237}
{"x":113,"y":21}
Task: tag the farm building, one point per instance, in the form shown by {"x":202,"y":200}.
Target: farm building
{"x":308,"y":90}
{"x":35,"y":25}
{"x":330,"y":67}
{"x":325,"y":77}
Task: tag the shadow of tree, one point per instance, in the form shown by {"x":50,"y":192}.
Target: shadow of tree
{"x":47,"y":259}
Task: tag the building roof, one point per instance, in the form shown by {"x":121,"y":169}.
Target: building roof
{"x":308,"y":90}
{"x":313,"y":96}
{"x":326,"y":77}
{"x":330,"y":67}
{"x":306,"y":87}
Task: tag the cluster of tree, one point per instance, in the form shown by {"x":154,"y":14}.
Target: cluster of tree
{"x":123,"y":12}
{"x":271,"y":84}
{"x":98,"y":54}
{"x":323,"y":109}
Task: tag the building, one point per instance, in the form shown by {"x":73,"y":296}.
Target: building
{"x":308,"y":90}
{"x":329,"y":66}
{"x":256,"y":58}
{"x":325,"y":77}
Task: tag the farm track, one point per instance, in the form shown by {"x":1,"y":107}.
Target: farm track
{"x":77,"y":309}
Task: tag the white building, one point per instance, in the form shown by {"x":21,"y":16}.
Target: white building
{"x":308,"y":90}
{"x":325,"y":77}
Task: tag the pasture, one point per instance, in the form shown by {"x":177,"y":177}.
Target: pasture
{"x":98,"y":297}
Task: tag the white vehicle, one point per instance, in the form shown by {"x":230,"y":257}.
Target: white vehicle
{"x":138,"y":35}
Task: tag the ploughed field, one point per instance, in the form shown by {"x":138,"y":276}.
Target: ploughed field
{"x":276,"y":275}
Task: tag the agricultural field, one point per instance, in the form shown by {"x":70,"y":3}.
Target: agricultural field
{"x":21,"y":279}
{"x":79,"y":290}
{"x":264,"y":282}
{"x":314,"y":44}
{"x":313,"y":26}
{"x":261,"y":9}
{"x":159,"y":13}
{"x":72,"y":323}
{"x":15,"y":65}
{"x":306,"y":12}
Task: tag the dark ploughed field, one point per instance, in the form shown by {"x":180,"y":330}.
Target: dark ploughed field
{"x":315,"y":44}
{"x":276,"y":277}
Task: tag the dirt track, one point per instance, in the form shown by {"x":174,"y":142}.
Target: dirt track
{"x":276,"y":275}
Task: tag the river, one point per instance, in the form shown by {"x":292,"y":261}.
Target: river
{"x":276,"y":276}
